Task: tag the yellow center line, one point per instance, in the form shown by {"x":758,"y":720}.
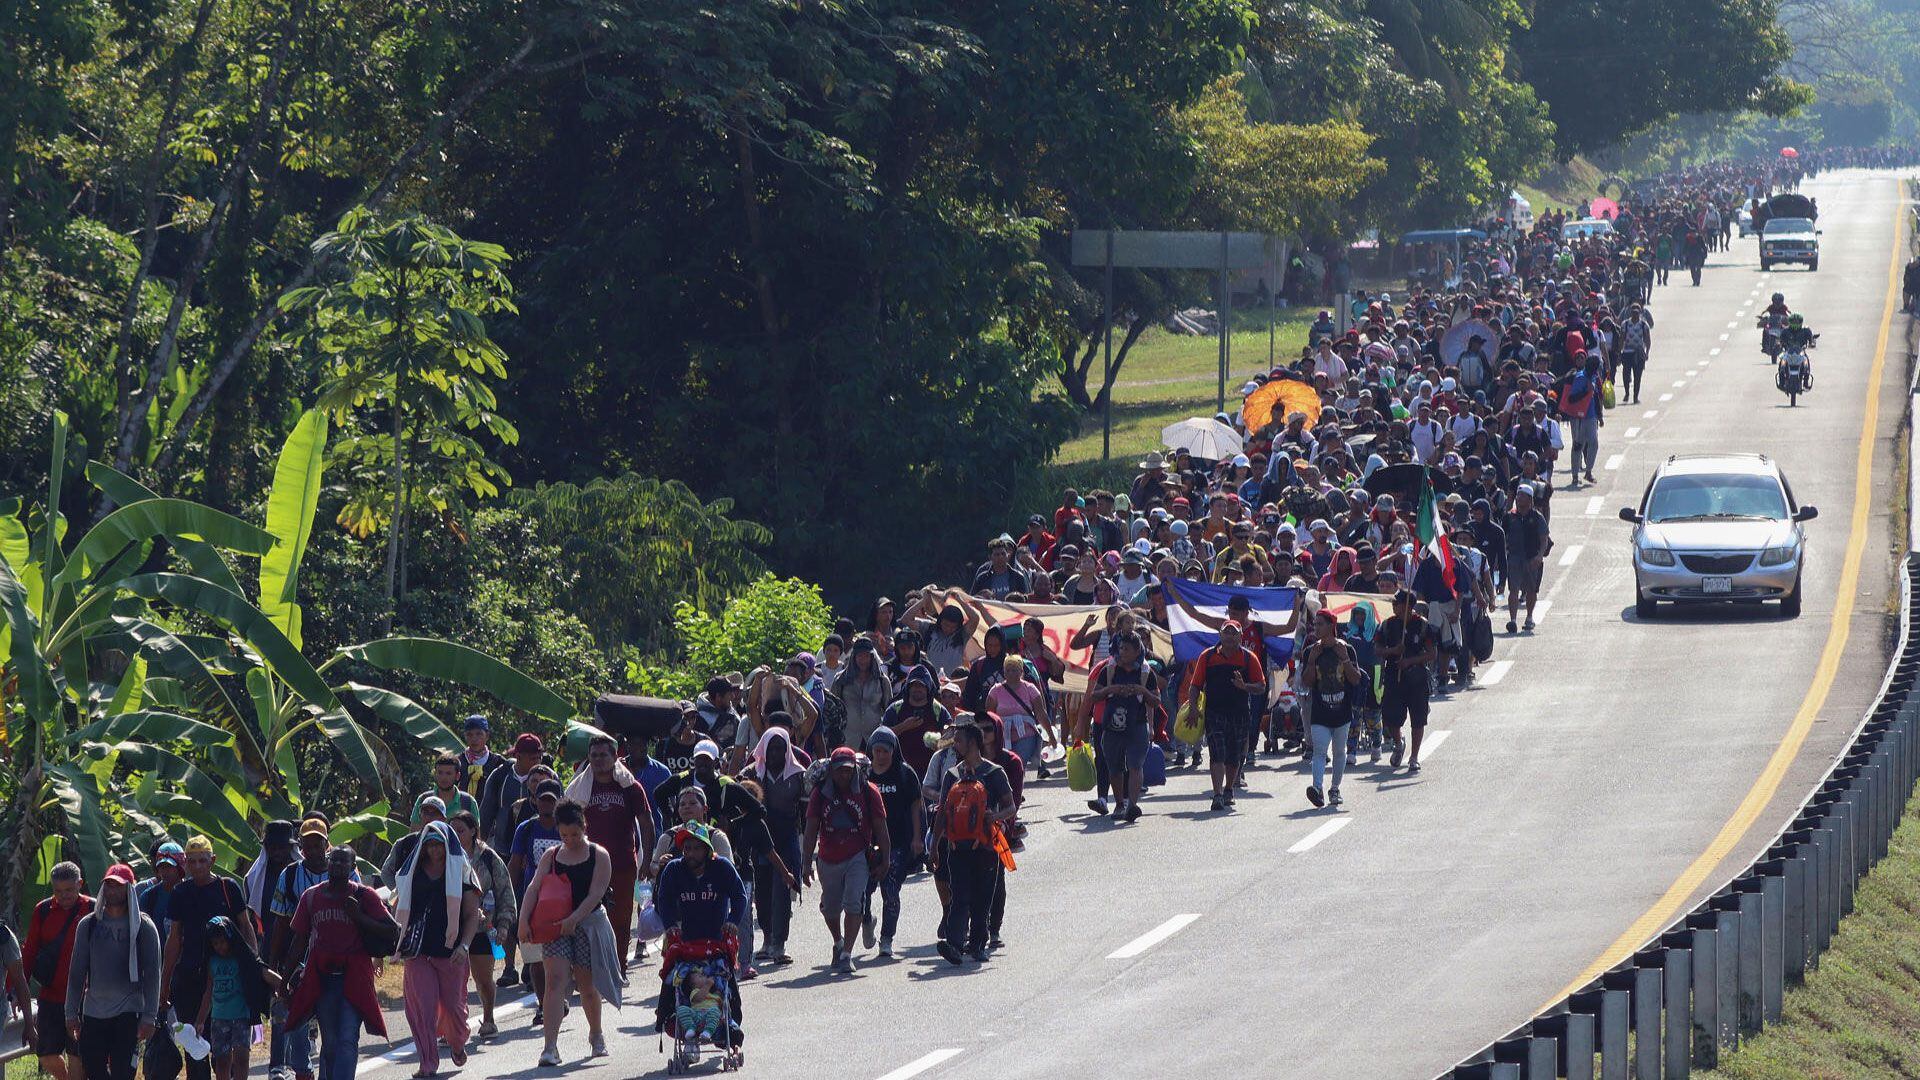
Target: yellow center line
{"x":1761,"y":793}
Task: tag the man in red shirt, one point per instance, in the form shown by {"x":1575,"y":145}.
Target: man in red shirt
{"x":331,"y":924}
{"x":846,"y":825}
{"x":1230,"y":675}
{"x":620,"y":819}
{"x":50,"y":930}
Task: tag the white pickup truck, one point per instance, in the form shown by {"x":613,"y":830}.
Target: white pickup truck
{"x":1790,"y":240}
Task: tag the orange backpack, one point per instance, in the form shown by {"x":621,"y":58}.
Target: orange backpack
{"x":965,"y":806}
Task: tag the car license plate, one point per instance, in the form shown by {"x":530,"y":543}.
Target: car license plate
{"x":1716,"y":585}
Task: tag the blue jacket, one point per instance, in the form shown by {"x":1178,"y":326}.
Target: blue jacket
{"x":701,"y":905}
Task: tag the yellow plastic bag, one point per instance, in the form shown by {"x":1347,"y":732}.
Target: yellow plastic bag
{"x":1080,"y":768}
{"x":1188,"y":727}
{"x":1606,"y":393}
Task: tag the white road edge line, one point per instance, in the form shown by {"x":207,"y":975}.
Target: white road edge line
{"x":1724,"y":337}
{"x":1732,"y":325}
{"x":1572,"y":553}
{"x":1691,"y":372}
{"x":1491,"y":674}
{"x":1149,"y":939}
{"x":923,"y":1063}
{"x":1312,"y":839}
{"x":1594,"y":504}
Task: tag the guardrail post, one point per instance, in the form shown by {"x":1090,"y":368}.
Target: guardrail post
{"x":1778,"y":946}
{"x":1610,"y":1008}
{"x":1703,"y":926}
{"x":1824,"y":867}
{"x":1573,"y":1037}
{"x":1733,"y":936}
{"x":1633,"y":1001}
{"x":1791,"y":868}
{"x":1760,"y":904}
{"x":1752,"y":954}
{"x":1677,"y":995}
{"x":1535,"y":1053}
{"x":1487,"y":1070}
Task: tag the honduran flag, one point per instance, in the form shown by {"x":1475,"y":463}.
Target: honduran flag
{"x":1192,"y":636}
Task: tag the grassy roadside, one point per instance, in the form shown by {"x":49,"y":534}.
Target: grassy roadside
{"x":1859,"y":1015}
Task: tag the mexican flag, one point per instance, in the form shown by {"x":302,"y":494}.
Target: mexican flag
{"x":1433,"y":535}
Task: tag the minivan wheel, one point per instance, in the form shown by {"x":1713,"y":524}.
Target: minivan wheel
{"x":1790,"y":603}
{"x":1644,"y":608}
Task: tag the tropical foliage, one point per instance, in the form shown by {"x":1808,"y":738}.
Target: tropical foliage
{"x":768,"y":623}
{"x":154,"y":697}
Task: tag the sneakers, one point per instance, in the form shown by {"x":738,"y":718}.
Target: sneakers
{"x":1412,"y":767}
{"x":886,"y":947}
{"x":1373,"y":758}
{"x":1239,"y":782}
{"x":1529,"y":625}
{"x":1314,"y":796}
{"x":842,"y":962}
{"x":1228,"y":795}
{"x":1098,"y":806}
{"x":598,"y":1044}
{"x":979,"y":954}
{"x":550,"y":1057}
{"x":1044,"y":773}
{"x":867,"y":927}
{"x":1512,"y":627}
{"x":1352,"y":760}
{"x":1333,"y":797}
{"x":1398,"y":753}
{"x":1119,"y":809}
{"x":1133,"y":812}
{"x":952,"y":954}
{"x":1180,"y":760}
{"x":1219,"y":803}
{"x":510,"y":977}
{"x":995,"y":943}
{"x":488,"y":1028}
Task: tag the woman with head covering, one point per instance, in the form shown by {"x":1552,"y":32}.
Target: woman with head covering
{"x":438,"y":902}
{"x":1343,"y":566}
{"x":864,"y":691}
{"x":783,"y":791}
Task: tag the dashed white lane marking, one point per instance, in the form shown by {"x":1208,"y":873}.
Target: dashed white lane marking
{"x":1666,"y":397}
{"x":1434,"y":739}
{"x":1540,"y":611}
{"x":1594,"y":504}
{"x":1572,"y":554}
{"x":923,"y":1063}
{"x":1691,"y":372}
{"x":1491,"y":674}
{"x":1724,"y":337}
{"x":404,"y":1050}
{"x":1715,"y":352}
{"x":1312,"y":839}
{"x":1732,"y":325}
{"x":1678,"y":383}
{"x":1162,"y":932}
{"x":1632,"y":432}
{"x":1650,"y":414}
{"x":1614,"y":461}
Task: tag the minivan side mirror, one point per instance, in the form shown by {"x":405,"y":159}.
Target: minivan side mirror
{"x":1630,"y":515}
{"x":1806,"y":513}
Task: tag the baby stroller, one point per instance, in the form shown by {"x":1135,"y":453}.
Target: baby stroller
{"x":683,"y":964}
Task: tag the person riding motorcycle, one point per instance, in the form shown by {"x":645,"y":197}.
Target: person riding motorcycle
{"x":1772,"y":320}
{"x":1798,"y":339}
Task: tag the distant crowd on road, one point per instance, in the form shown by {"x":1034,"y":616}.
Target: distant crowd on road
{"x":1338,"y":555}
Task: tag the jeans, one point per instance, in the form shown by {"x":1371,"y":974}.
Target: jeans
{"x":972,"y":873}
{"x":339,"y":1029}
{"x":1028,"y":747}
{"x":107,"y":1046}
{"x":889,"y":885}
{"x":1329,"y":739}
{"x":289,"y":1048}
{"x":1586,"y":443}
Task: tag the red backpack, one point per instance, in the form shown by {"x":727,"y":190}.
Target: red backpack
{"x":965,"y":807}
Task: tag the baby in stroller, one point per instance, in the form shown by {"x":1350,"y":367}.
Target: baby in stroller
{"x":700,"y":1004}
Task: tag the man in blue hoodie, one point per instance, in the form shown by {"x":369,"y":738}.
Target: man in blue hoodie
{"x":699,"y":897}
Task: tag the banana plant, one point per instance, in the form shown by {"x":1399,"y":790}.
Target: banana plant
{"x":171,"y":741}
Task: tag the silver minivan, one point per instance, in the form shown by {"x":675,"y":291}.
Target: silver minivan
{"x":1717,"y":528}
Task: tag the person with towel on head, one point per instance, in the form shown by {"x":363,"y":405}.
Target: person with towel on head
{"x":438,"y":902}
{"x":113,"y":983}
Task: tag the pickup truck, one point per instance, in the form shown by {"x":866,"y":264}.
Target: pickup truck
{"x":1789,"y":240}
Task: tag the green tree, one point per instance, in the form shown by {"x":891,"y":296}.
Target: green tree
{"x":402,"y":322}
{"x":770,"y":621}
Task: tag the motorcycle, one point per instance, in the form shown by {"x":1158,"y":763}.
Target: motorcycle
{"x":1793,"y":375}
{"x":1770,"y":337}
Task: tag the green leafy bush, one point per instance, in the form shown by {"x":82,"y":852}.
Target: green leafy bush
{"x":767,"y":623}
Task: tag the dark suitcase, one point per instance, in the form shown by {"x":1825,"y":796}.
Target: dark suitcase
{"x":625,"y":716}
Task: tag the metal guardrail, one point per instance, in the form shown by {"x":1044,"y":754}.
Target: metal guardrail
{"x":1718,"y":974}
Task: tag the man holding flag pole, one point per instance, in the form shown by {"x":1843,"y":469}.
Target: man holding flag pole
{"x":1210,"y":626}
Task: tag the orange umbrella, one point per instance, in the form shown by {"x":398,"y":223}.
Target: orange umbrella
{"x":1280,"y":397}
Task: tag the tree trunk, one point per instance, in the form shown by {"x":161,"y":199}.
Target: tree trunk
{"x":25,"y":841}
{"x":399,"y":507}
{"x":1073,"y":374}
{"x":1138,"y":327}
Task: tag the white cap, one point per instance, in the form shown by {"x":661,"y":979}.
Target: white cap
{"x":1240,"y":461}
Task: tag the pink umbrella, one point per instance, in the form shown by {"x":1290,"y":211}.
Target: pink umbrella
{"x":1789,"y":152}
{"x":1604,"y":208}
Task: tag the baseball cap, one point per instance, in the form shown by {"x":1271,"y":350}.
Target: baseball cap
{"x":528,"y":743}
{"x":1231,"y":624}
{"x":199,"y":845}
{"x":693,"y":830}
{"x":708,"y":748}
{"x":313,"y":827}
{"x":549,"y":787}
{"x":844,"y":755}
{"x":121,"y":873}
{"x":170,"y":852}
{"x":476,"y":721}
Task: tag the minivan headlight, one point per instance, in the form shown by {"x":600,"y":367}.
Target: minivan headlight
{"x":1656,"y":556}
{"x":1777,"y":556}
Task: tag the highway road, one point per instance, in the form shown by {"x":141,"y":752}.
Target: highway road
{"x":1605,"y":773}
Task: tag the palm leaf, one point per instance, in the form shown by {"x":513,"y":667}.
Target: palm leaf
{"x":190,"y":683}
{"x":216,"y":811}
{"x":77,"y":793}
{"x":437,"y":659}
{"x":155,"y":726}
{"x":155,"y":518}
{"x":37,"y":688}
{"x":206,"y":560}
{"x":290,"y":510}
{"x":405,"y":713}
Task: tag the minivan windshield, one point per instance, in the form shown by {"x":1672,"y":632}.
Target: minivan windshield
{"x":1710,"y":496}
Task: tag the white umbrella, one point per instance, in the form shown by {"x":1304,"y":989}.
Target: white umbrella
{"x":1203,"y":436}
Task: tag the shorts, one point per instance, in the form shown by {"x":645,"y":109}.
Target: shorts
{"x":942,"y":872}
{"x":1227,"y":736}
{"x":51,"y":1038}
{"x":1129,"y":746}
{"x":575,"y":948}
{"x":1445,"y":617}
{"x":1523,"y":577}
{"x":482,"y":945}
{"x":843,"y":885}
{"x":226,"y":1036}
{"x":1406,"y":700}
{"x":532,"y":953}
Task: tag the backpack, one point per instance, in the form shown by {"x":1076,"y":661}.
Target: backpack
{"x":851,"y":813}
{"x":965,"y":807}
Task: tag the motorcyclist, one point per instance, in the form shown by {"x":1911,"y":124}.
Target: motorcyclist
{"x":1798,"y":338}
{"x":1772,"y":320}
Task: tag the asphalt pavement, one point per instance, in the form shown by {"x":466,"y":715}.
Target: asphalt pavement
{"x":1603,"y":774}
